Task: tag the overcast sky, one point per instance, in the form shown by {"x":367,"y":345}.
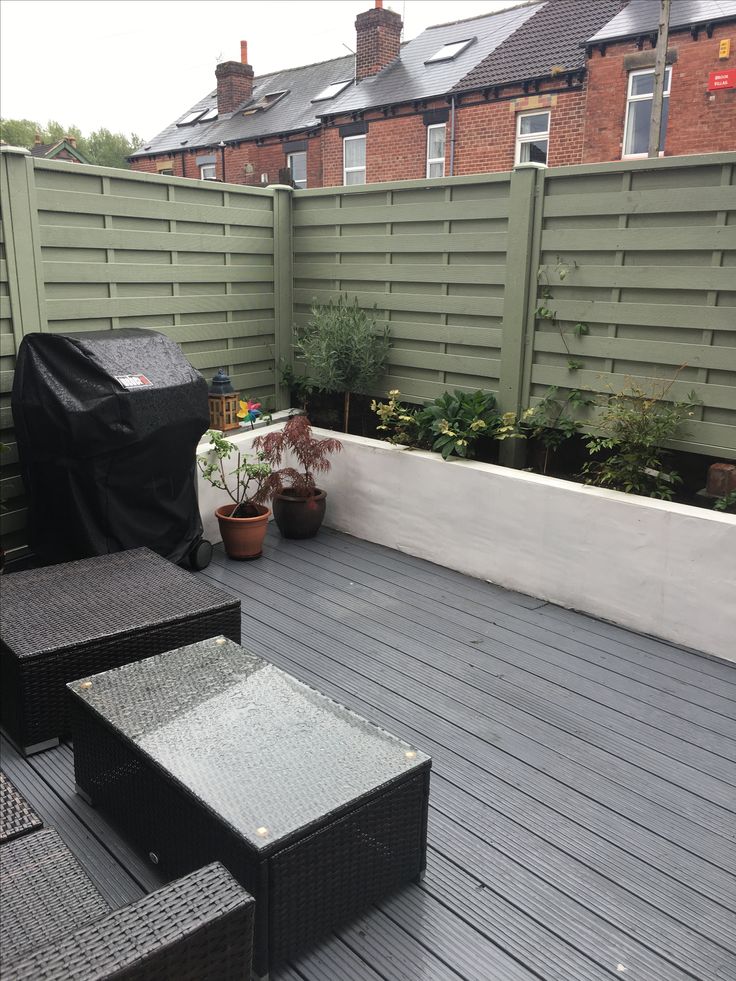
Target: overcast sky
{"x":132,"y":66}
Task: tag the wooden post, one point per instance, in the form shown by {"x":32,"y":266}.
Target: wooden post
{"x":23,"y":252}
{"x":521,"y":268}
{"x":283,"y":288}
{"x":660,"y":66}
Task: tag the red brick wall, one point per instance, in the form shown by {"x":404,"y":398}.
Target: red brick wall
{"x":586,"y":125}
{"x":244,"y":164}
{"x":485,"y":134}
{"x":699,"y":121}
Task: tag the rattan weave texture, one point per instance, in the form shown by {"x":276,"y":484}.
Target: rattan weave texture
{"x":55,"y":927}
{"x":17,"y":817}
{"x":45,"y":894}
{"x":67,"y":621}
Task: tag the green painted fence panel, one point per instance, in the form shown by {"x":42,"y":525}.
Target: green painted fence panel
{"x":430,"y":256}
{"x":644,"y":255}
{"x":88,"y":248}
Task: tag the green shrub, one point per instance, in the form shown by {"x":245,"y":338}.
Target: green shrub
{"x":630,"y":445}
{"x":344,"y":349}
{"x":457,"y":420}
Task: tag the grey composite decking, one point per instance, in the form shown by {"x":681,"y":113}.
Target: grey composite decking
{"x":582,"y":819}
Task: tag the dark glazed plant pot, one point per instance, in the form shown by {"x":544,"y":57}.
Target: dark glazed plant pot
{"x":299,"y":517}
{"x":242,"y":537}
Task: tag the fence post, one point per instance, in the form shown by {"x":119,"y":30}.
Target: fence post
{"x":283,"y":287}
{"x":23,"y":252}
{"x":520,"y":264}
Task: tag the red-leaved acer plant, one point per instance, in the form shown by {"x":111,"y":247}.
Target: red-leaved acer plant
{"x":310,"y":453}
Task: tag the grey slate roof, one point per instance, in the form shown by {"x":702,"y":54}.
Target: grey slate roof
{"x":552,"y":37}
{"x":294,"y":112}
{"x":408,"y":78}
{"x":642,"y":17}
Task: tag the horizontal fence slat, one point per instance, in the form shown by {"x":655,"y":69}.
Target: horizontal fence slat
{"x":474,"y":275}
{"x":439,"y":242}
{"x":696,"y":316}
{"x":59,"y":236}
{"x":685,"y":238}
{"x":714,"y":396}
{"x":632,"y":202}
{"x":647,"y":277}
{"x":461,"y":364}
{"x":162,"y":272}
{"x":417,"y":302}
{"x":629,"y":349}
{"x":80,"y":203}
{"x":85,"y":309}
{"x":433,"y":209}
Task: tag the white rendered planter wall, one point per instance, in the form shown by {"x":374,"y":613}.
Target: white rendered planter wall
{"x":664,"y":569}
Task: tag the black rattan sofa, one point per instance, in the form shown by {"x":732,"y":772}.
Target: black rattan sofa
{"x":55,"y":925}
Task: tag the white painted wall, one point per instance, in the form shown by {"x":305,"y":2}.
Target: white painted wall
{"x":665,"y":569}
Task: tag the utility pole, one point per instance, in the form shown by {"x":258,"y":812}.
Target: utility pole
{"x":660,"y":65}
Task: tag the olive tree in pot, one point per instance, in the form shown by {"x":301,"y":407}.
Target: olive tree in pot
{"x":299,"y":506}
{"x":249,"y":485}
{"x":344,"y":350}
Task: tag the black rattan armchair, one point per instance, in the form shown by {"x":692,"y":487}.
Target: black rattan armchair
{"x":55,"y":926}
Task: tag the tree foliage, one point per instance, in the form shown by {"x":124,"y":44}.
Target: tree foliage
{"x":101,"y":147}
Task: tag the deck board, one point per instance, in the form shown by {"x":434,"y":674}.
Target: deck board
{"x":583,"y":805}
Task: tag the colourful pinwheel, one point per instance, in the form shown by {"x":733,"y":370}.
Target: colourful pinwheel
{"x":249,"y":411}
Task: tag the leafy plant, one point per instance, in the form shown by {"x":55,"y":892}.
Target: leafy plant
{"x":551,"y":421}
{"x":246,"y":484}
{"x":633,"y":428}
{"x":573,"y":365}
{"x":310,"y":453}
{"x":344,"y":349}
{"x":399,"y":423}
{"x":726,"y":503}
{"x":458,"y":419}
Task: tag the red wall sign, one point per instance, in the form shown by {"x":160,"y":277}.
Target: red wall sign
{"x":722,"y":80}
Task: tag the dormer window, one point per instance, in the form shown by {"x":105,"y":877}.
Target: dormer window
{"x":335,"y":88}
{"x":450,"y":51}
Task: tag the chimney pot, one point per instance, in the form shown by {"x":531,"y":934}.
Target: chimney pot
{"x":244,"y":52}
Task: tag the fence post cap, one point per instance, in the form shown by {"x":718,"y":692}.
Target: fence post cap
{"x":6,"y":148}
{"x":530,"y":165}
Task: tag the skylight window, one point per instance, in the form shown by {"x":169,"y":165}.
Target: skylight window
{"x":265,"y":102}
{"x":335,"y":88}
{"x":209,"y":115}
{"x":191,"y":117}
{"x":449,"y":51}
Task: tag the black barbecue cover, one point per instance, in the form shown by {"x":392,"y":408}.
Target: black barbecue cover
{"x":107,"y":424}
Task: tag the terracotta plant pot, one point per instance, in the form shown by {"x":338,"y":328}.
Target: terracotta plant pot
{"x":299,"y":517}
{"x":242,"y":537}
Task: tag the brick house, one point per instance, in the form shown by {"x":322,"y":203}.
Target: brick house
{"x":554,"y":81}
{"x":620,"y":69}
{"x":65,"y":149}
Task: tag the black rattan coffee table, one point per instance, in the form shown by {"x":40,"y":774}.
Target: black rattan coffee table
{"x":64,"y":621}
{"x":208,"y":753}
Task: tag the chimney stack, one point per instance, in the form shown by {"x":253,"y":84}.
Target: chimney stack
{"x":234,"y":82}
{"x":378,"y":36}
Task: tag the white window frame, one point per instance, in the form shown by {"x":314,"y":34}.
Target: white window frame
{"x":289,"y":156}
{"x":436,"y":160}
{"x":208,"y":172}
{"x":642,"y":98}
{"x":522,"y":138}
{"x":354,"y":170}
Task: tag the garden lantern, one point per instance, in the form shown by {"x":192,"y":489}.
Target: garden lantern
{"x":224,"y":403}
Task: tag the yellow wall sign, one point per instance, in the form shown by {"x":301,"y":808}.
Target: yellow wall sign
{"x":724,"y":48}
